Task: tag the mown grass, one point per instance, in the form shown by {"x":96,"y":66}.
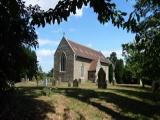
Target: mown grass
{"x":120,"y":102}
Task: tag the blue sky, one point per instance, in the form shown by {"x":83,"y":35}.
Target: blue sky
{"x":83,"y":28}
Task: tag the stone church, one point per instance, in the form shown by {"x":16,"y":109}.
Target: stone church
{"x":75,"y":61}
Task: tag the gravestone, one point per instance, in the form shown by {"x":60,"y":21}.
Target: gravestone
{"x":46,"y":82}
{"x":102,"y":79}
{"x":75,"y":83}
{"x":79,"y":81}
{"x":69,"y":84}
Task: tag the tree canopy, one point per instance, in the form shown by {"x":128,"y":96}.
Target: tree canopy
{"x":143,"y":54}
{"x":105,"y":9}
{"x":16,"y":34}
{"x":116,"y":68}
{"x":30,"y":66}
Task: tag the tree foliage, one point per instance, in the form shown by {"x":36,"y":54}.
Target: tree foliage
{"x":40,"y":74}
{"x":113,"y":57}
{"x":116,"y":68}
{"x":105,"y":9}
{"x":50,"y":73}
{"x":119,"y":71}
{"x":30,"y":67}
{"x":143,"y":54}
{"x":16,"y":34}
{"x":110,"y":73}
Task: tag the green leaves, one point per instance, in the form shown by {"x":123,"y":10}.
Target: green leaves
{"x":17,"y":33}
{"x":104,"y":8}
{"x":143,"y":53}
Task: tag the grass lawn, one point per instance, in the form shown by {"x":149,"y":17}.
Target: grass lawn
{"x":120,"y":102}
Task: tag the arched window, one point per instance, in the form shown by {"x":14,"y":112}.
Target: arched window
{"x":63,"y":62}
{"x":82,"y":70}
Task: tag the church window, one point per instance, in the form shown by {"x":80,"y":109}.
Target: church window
{"x":82,"y":70}
{"x":63,"y":62}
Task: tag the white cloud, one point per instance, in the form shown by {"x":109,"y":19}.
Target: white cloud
{"x":108,"y":52}
{"x":43,"y":42}
{"x":41,"y":53}
{"x":79,"y":12}
{"x":44,"y":4}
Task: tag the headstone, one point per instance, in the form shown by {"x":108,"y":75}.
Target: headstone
{"x":102,"y":79}
{"x":79,"y":81}
{"x":46,"y":82}
{"x":140,"y":82}
{"x":75,"y":83}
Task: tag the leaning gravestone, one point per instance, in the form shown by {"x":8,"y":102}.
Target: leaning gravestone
{"x":102,"y":79}
{"x":75,"y":83}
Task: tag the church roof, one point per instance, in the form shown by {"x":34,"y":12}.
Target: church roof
{"x":86,"y":52}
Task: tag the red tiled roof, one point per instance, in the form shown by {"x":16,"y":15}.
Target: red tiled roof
{"x":86,"y":52}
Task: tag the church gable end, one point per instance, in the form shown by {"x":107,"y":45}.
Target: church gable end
{"x":63,"y":62}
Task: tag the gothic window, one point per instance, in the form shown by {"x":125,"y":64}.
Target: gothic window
{"x":63,"y":62}
{"x":82,"y":70}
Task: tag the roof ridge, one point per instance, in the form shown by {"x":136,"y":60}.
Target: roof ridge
{"x":84,"y":46}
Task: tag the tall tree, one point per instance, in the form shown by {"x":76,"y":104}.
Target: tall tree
{"x":30,"y":67}
{"x":119,"y":70}
{"x":113,"y":57}
{"x":146,"y":44}
{"x":50,"y":73}
{"x":110,"y":73}
{"x":16,"y":33}
{"x":116,"y":68}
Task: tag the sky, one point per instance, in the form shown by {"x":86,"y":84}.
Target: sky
{"x":83,"y":28}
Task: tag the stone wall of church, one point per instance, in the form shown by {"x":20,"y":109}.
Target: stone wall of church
{"x":66,"y":75}
{"x":79,"y":62}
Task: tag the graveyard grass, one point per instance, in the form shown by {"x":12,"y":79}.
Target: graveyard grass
{"x":119,"y":102}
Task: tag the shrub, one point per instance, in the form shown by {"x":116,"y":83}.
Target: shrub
{"x":46,"y":91}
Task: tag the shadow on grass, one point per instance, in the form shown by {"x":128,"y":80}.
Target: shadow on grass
{"x":16,"y":105}
{"x":154,"y":97}
{"x":134,"y":86}
{"x":22,"y":105}
{"x":127,"y":105}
